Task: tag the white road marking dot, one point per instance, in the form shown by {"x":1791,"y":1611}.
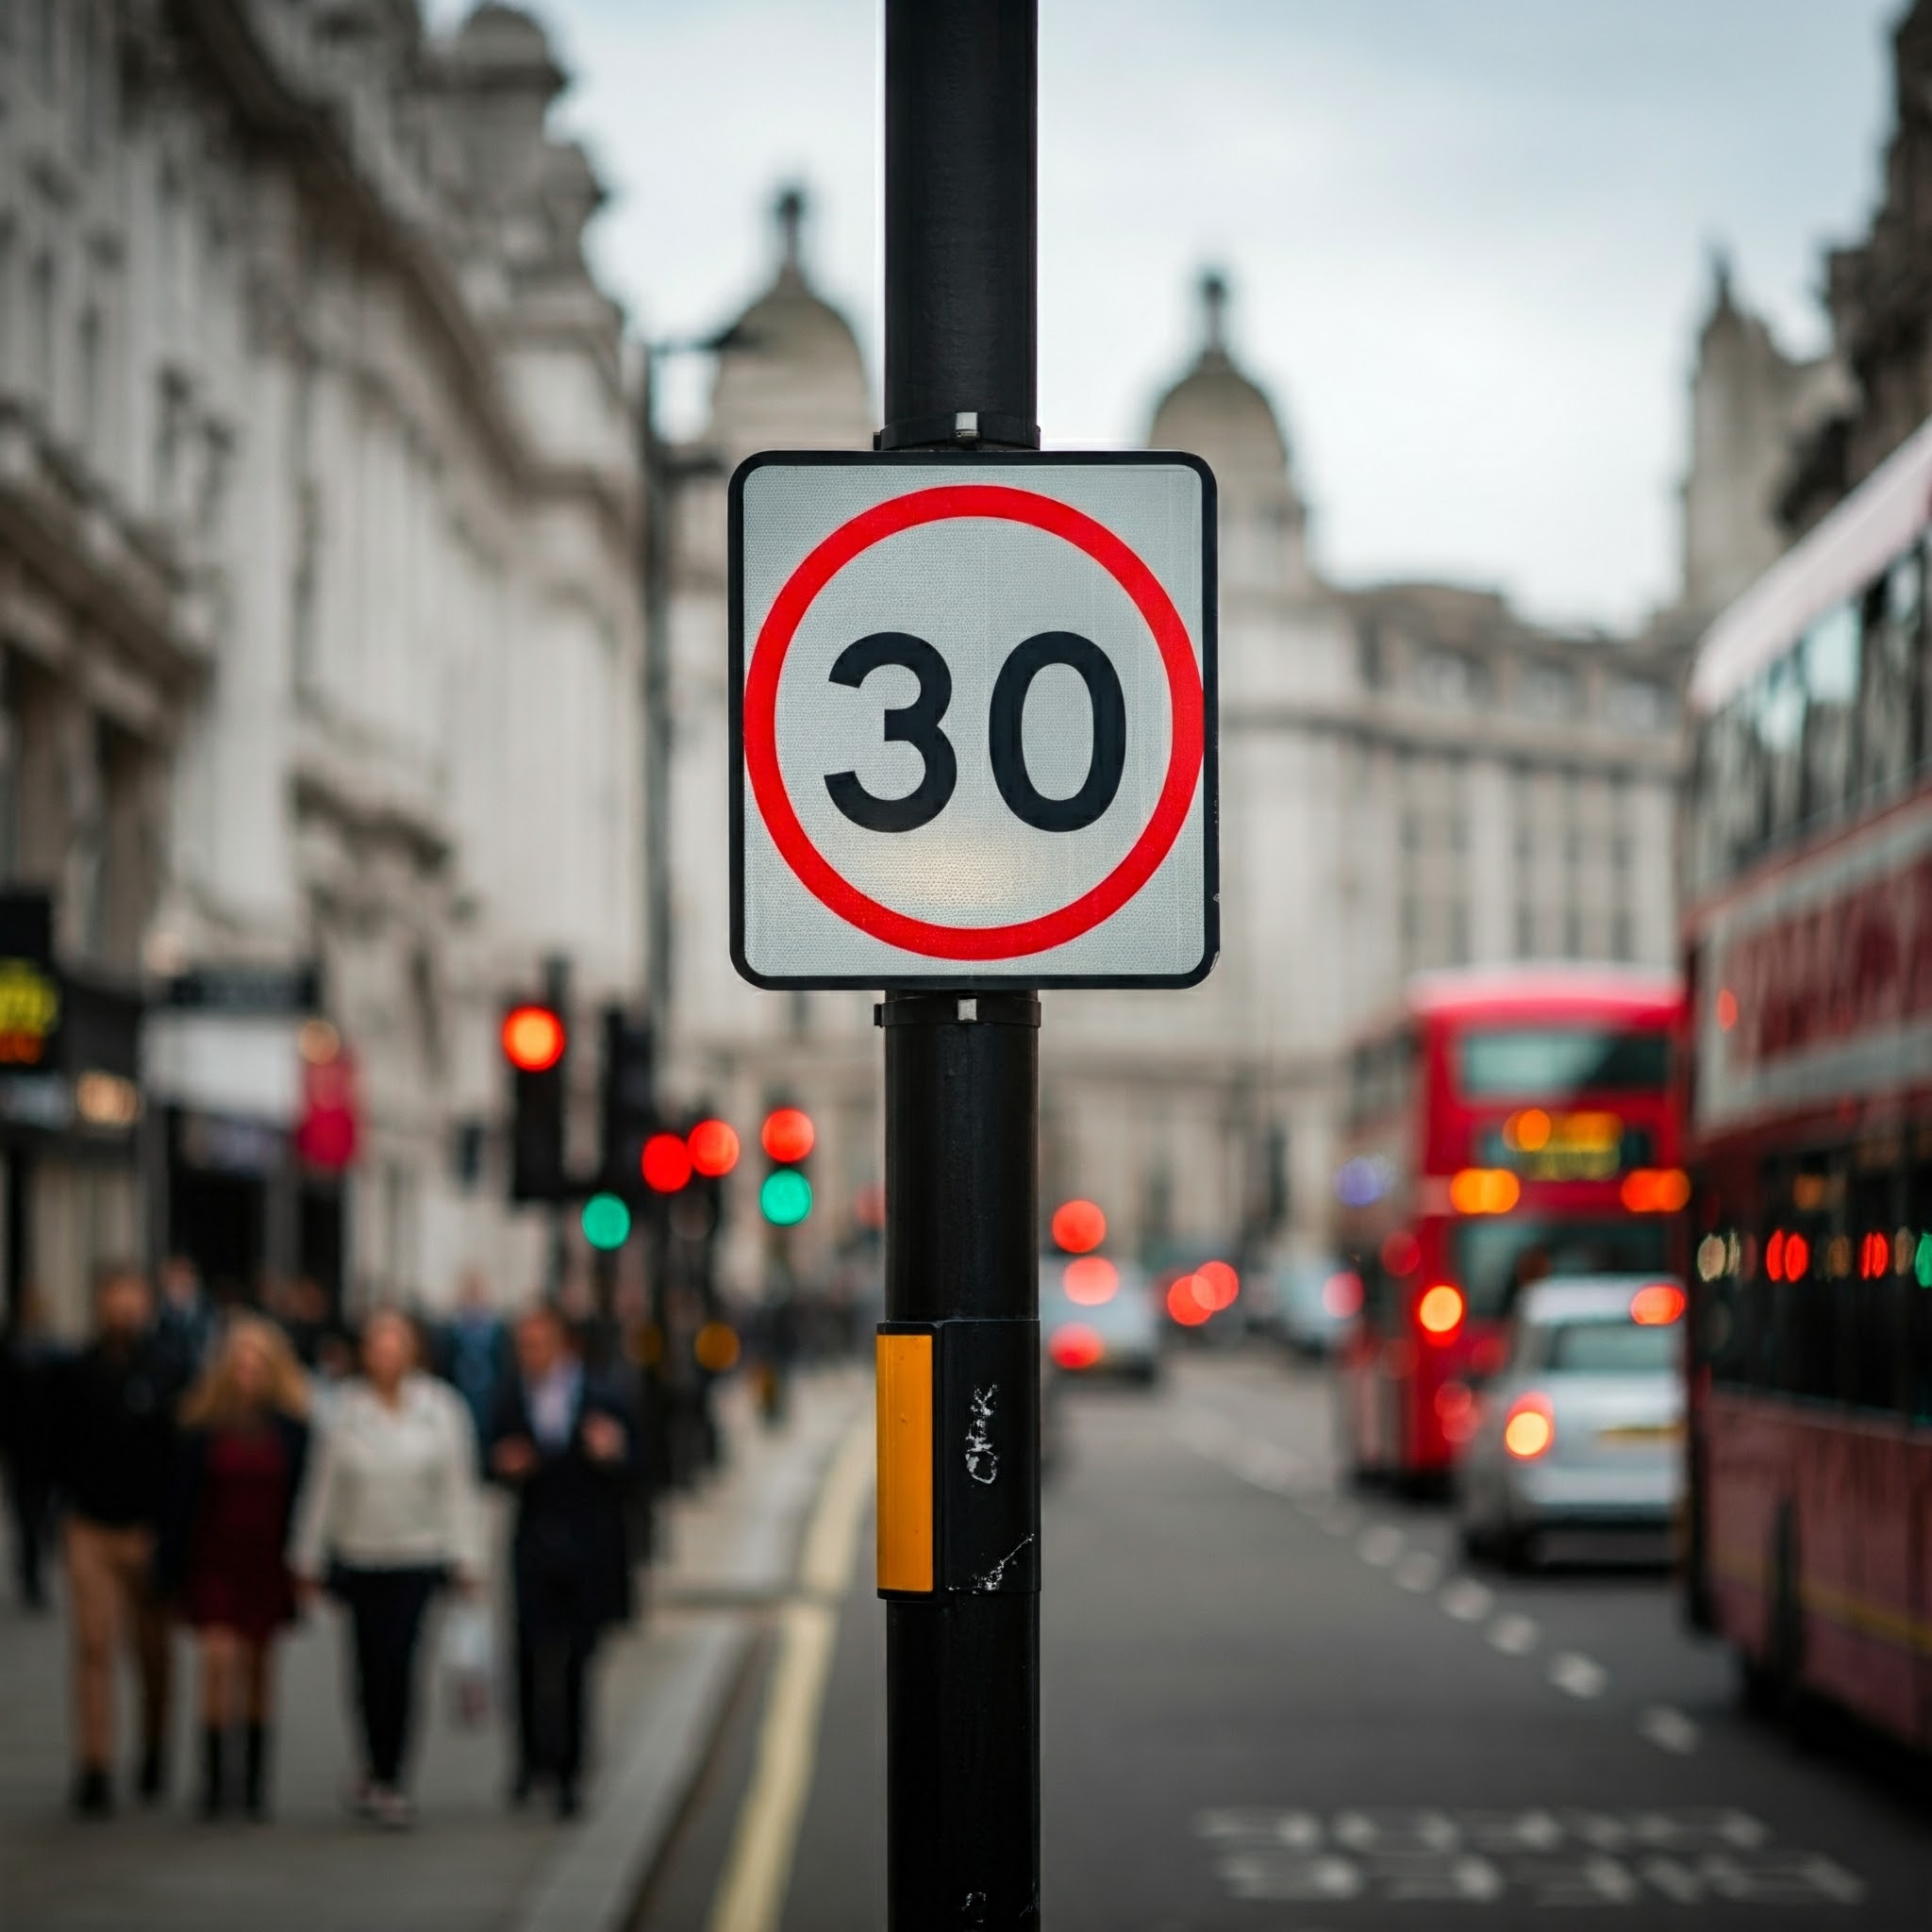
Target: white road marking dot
{"x":1380,"y":1545}
{"x":1513,"y":1634}
{"x":1669,"y":1730}
{"x":1419,"y":1572}
{"x":1466,"y":1600}
{"x":1580,"y":1676}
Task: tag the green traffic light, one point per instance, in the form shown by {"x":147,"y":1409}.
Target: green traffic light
{"x":784,"y":1199}
{"x":607,"y":1222}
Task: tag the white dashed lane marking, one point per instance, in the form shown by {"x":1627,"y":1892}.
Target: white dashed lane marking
{"x":1380,"y":1545}
{"x":1669,"y":1730}
{"x":1419,"y":1573}
{"x":1513,"y":1634}
{"x":1466,"y":1600}
{"x":1580,"y":1676}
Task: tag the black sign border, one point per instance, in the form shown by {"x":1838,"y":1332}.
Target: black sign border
{"x":966,"y":981}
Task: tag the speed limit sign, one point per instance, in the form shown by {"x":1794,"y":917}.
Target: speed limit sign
{"x":973,"y":719}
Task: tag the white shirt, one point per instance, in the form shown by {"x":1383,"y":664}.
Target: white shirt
{"x":392,"y":1488}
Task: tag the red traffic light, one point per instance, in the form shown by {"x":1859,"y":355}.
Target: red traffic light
{"x":533,"y":1038}
{"x":713,"y":1148}
{"x":788,"y":1134}
{"x":1078,"y":1227}
{"x":666,"y":1163}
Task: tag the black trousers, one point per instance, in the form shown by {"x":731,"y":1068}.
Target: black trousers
{"x":386,"y":1609}
{"x":552,"y":1695}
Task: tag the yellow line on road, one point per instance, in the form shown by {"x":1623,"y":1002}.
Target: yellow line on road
{"x":751,"y":1895}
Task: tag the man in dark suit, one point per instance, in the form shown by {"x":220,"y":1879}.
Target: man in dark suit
{"x":565,"y":1443}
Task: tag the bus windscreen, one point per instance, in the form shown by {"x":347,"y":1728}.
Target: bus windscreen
{"x":1553,"y":1062}
{"x":1496,"y":1259}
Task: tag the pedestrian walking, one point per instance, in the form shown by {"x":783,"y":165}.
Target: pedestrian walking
{"x":392,"y":1515}
{"x":474,"y":1351}
{"x":112,"y":1410}
{"x":565,"y":1444}
{"x":238,"y":1469}
{"x":29,"y":1362}
{"x":186,"y":1323}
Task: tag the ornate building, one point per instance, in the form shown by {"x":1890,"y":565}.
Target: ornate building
{"x":318,"y":609}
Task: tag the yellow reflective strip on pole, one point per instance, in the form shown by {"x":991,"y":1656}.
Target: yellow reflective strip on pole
{"x":905,"y":1450}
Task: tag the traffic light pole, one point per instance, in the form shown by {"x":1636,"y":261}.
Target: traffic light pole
{"x":963,"y":1069}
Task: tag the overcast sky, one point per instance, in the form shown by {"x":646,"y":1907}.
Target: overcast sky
{"x":1467,"y":237}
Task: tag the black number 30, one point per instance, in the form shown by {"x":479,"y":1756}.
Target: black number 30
{"x":918,"y":724}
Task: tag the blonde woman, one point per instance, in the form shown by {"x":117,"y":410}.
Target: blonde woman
{"x":391,"y":1517}
{"x":244,"y":1447}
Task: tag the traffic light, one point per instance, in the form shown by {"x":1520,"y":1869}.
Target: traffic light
{"x":787,"y":1137}
{"x":536,"y":1048}
{"x":665,"y":1164}
{"x":629,"y":1110}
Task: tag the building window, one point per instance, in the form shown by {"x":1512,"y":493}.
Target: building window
{"x":41,"y":375}
{"x":91,"y":378}
{"x":1525,"y":933}
{"x":1458,"y":933}
{"x":1623,"y":939}
{"x":1573,"y":933}
{"x":1550,"y":691}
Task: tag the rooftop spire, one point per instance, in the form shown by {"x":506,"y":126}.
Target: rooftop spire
{"x":790,"y":210}
{"x":1213,"y":313}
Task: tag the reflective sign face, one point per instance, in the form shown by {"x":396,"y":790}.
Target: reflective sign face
{"x":973,"y":725}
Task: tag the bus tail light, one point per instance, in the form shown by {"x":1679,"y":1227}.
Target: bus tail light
{"x":1529,"y":1429}
{"x":1075,"y":1346}
{"x":1655,"y":1190}
{"x":1440,"y":1310}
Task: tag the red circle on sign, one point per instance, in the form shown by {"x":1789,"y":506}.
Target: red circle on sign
{"x":1003,"y":504}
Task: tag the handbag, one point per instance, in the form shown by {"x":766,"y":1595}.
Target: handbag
{"x":468,"y":1659}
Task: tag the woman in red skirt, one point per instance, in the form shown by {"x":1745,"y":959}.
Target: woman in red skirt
{"x":244,"y":1445}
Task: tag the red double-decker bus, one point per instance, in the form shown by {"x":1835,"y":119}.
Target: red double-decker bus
{"x":1508,"y":1125}
{"x":1808,"y":935}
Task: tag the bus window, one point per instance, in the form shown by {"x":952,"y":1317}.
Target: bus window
{"x":1779,"y":707}
{"x":1830,"y":682}
{"x":1887,"y":708}
{"x":1553,"y":1062}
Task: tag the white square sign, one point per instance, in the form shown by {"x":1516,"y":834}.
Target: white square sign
{"x":973,"y":719}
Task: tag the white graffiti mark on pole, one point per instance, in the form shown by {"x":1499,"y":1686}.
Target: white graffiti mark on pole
{"x":982,"y":1461}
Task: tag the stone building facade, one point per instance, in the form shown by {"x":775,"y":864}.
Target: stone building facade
{"x":318,"y":609}
{"x":1412,"y":775}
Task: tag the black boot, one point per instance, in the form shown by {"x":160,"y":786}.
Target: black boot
{"x":212,"y":1746}
{"x":93,"y":1796}
{"x":255,"y":1772}
{"x":152,"y":1780}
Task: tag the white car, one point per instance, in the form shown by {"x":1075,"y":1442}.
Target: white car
{"x":1580,"y":1431}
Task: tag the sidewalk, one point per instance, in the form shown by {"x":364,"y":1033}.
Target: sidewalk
{"x":471,"y":1865}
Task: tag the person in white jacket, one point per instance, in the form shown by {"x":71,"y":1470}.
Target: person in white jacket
{"x":391,"y":1515}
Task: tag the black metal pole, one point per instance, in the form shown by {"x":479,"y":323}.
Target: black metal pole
{"x":962,"y":1071}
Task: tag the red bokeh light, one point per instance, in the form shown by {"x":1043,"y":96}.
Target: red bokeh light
{"x":1184,"y":1304}
{"x":1076,"y":1346}
{"x":1078,"y":1226}
{"x":788,"y":1134}
{"x":666,"y":1163}
{"x":533,"y":1038}
{"x":869,"y":1206}
{"x":713,"y":1148}
{"x":1219,"y":1283}
{"x":1657,"y":1305}
{"x":1091,"y":1280}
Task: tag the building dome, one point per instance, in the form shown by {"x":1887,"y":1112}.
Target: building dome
{"x":790,"y":373}
{"x":1217,"y":413}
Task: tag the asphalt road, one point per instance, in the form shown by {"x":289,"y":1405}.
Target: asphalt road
{"x":1266,"y":1704}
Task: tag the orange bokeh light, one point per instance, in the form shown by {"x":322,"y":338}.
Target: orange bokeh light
{"x":713,"y":1148}
{"x":1440,"y":1310}
{"x":1484,"y":1191}
{"x":1655,"y":1190}
{"x":533,"y":1038}
{"x":1657,"y":1305}
{"x":1078,"y":1226}
{"x":1091,"y":1280}
{"x":1530,"y":1428}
